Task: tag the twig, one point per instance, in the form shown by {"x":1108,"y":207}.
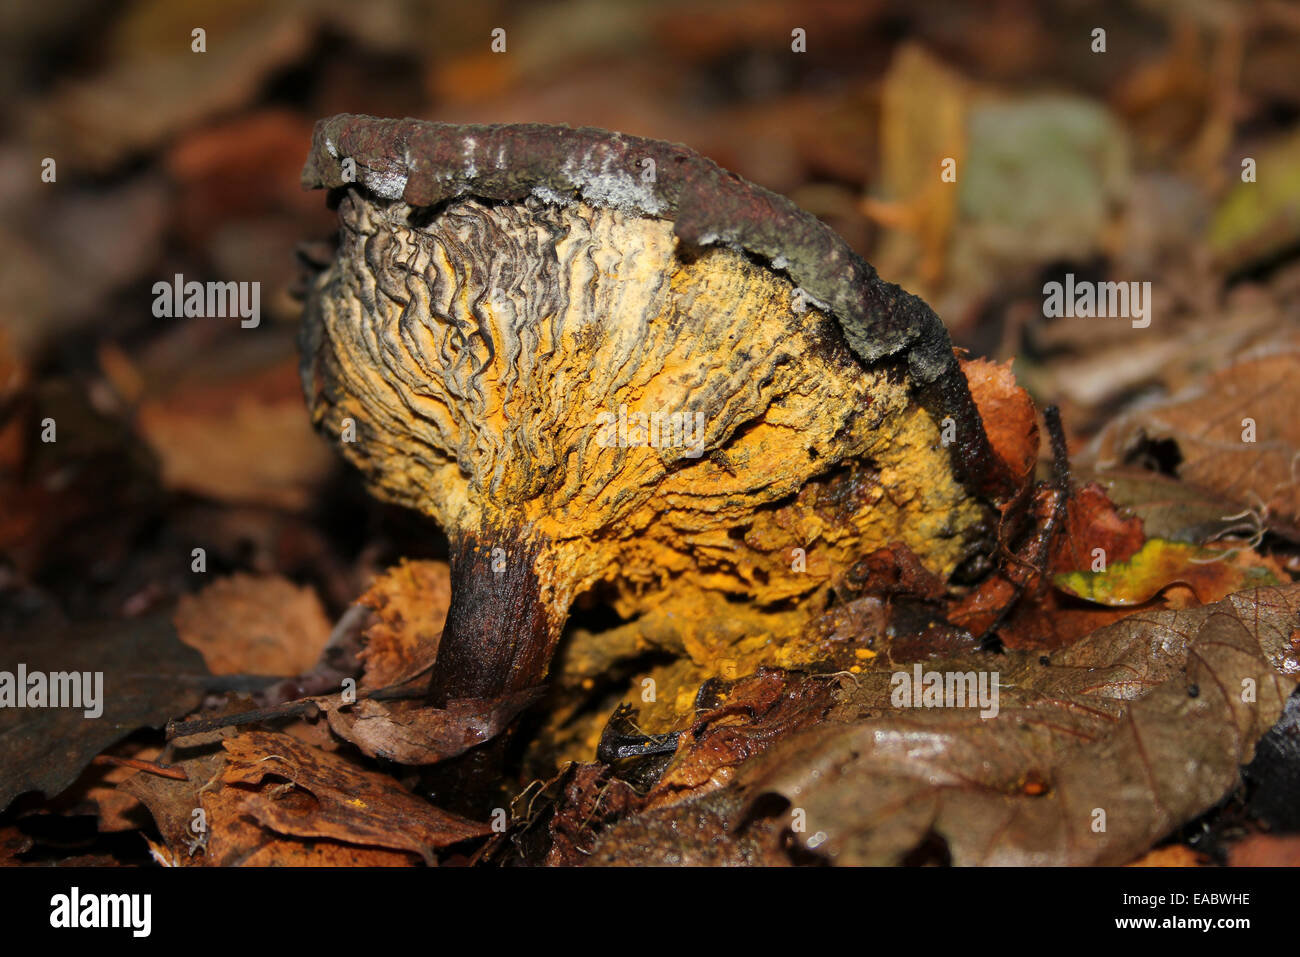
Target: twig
{"x":149,"y":767}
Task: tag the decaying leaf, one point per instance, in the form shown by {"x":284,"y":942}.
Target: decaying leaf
{"x":235,"y":437}
{"x":692,"y":834}
{"x":1008,"y":412}
{"x":410,"y":732}
{"x":1168,"y":508}
{"x":335,"y":800}
{"x":410,"y":602}
{"x":1235,"y":435}
{"x":737,"y":723}
{"x":257,"y":625}
{"x":1211,"y":574}
{"x":1093,"y":522}
{"x":1091,"y":758}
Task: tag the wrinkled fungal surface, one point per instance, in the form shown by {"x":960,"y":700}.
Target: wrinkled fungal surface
{"x":519,"y":337}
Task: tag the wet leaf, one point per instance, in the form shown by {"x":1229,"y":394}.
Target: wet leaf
{"x":1091,"y":758}
{"x":1111,"y":725}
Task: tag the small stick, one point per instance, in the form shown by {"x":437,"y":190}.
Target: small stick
{"x":149,"y":767}
{"x":179,"y":729}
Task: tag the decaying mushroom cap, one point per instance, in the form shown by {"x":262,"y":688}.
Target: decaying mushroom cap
{"x":594,"y":357}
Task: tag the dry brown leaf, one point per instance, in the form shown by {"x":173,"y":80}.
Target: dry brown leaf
{"x":1008,"y":413}
{"x":1236,"y":434}
{"x":259,"y":625}
{"x":238,"y":438}
{"x":410,"y":732}
{"x":237,"y":840}
{"x":411,"y":602}
{"x":335,"y":800}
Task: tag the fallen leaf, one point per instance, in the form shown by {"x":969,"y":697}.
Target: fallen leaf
{"x":98,"y":121}
{"x":335,"y":800}
{"x":1211,"y":574}
{"x":98,"y":791}
{"x":1093,"y":522}
{"x":1166,"y":507}
{"x":410,"y":732}
{"x":745,"y":717}
{"x":691,"y":834}
{"x":254,"y":624}
{"x":410,"y":602}
{"x":1261,"y":218}
{"x":237,"y":840}
{"x":1091,"y":758}
{"x":1008,"y":413}
{"x":924,"y":108}
{"x":237,"y":437}
{"x":148,"y":677}
{"x":1235,"y":435}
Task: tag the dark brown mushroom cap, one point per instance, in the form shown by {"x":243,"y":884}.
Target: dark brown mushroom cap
{"x":425,"y":163}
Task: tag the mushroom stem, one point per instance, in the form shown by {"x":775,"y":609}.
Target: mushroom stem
{"x":498,"y":636}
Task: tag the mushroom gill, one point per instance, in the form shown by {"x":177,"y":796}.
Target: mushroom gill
{"x":537,"y":357}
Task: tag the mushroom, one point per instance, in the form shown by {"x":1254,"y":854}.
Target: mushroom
{"x":595,"y":358}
